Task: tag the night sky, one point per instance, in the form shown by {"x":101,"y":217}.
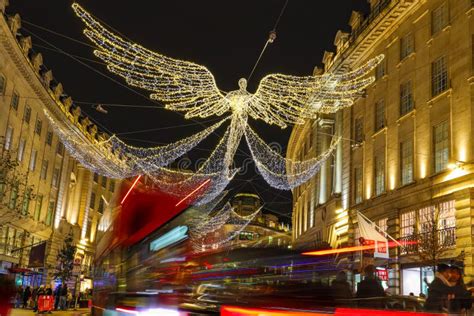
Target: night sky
{"x":225,"y":36}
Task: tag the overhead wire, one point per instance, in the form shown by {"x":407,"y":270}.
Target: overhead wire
{"x":271,"y":38}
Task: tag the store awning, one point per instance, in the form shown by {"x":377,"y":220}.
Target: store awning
{"x":22,"y":270}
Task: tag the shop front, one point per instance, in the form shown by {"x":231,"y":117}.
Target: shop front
{"x":416,"y":280}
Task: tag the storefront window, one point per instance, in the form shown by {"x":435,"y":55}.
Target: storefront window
{"x":415,"y":280}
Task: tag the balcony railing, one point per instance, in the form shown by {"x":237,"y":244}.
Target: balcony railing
{"x":444,"y":238}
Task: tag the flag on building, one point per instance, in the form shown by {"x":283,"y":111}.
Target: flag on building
{"x":368,"y":232}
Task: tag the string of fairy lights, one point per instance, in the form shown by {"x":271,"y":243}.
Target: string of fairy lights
{"x":204,"y":236}
{"x":184,"y":86}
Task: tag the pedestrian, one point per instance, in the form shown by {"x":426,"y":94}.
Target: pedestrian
{"x":370,"y":287}
{"x":340,"y":288}
{"x":34,"y":298}
{"x":57,"y":295}
{"x":26,"y":296}
{"x":440,"y":290}
{"x":7,"y":293}
{"x":462,"y":300}
{"x":69,"y":299}
{"x":48,"y":290}
{"x":19,"y":297}
{"x":63,"y":297}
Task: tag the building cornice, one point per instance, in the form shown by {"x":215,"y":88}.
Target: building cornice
{"x":363,"y":39}
{"x":53,"y":100}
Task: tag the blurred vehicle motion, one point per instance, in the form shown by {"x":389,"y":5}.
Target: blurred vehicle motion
{"x":147,"y":264}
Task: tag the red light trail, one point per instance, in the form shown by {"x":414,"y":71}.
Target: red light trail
{"x":352,"y":249}
{"x":244,"y":311}
{"x":194,"y":191}
{"x":131,"y":188}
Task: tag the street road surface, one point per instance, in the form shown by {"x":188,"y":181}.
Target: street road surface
{"x":29,"y":312}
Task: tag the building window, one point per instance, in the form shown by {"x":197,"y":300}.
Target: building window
{"x":104,"y":182}
{"x":407,"y":45}
{"x":359,"y":130}
{"x":446,"y":216}
{"x":379,"y":172}
{"x":112,"y":186}
{"x":439,"y":76}
{"x":60,"y":149}
{"x":439,"y":18}
{"x":3,"y":84}
{"x":406,"y":161}
{"x":55,"y":179}
{"x":380,"y":70}
{"x":96,"y":177}
{"x":38,"y":126}
{"x":44,"y":170}
{"x":100,"y":209}
{"x":15,"y":101}
{"x":358,"y":185}
{"x":27,"y":114}
{"x":13,"y":197}
{"x":441,"y":146}
{"x":246,"y":236}
{"x":25,"y":210}
{"x":3,"y":186}
{"x":49,"y":138}
{"x":407,"y":225}
{"x":379,"y":115}
{"x":426,"y":218}
{"x":92,"y":201}
{"x":34,"y":154}
{"x":49,"y":215}
{"x":21,"y":150}
{"x":8,"y":138}
{"x":39,"y":204}
{"x":406,"y":98}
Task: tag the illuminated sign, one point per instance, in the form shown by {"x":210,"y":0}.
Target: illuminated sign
{"x":175,"y":235}
{"x":382,"y":274}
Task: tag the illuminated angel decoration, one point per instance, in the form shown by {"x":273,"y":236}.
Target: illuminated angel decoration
{"x":184,"y":86}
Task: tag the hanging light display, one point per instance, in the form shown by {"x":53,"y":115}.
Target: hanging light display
{"x":187,"y":87}
{"x":206,"y":232}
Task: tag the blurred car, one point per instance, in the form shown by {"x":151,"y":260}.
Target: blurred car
{"x":145,"y":303}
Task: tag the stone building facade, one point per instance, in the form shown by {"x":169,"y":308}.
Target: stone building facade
{"x":407,"y":148}
{"x":68,"y":198}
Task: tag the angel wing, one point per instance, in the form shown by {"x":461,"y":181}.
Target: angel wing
{"x":181,"y":85}
{"x":283,"y":99}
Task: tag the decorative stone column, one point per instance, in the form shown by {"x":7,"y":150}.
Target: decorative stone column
{"x":73,"y":214}
{"x":325,"y":128}
{"x":464,"y":204}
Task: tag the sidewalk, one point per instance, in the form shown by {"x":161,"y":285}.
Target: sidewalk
{"x":29,"y":312}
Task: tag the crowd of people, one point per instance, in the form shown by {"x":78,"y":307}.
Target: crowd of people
{"x":27,"y":297}
{"x":446,"y":293}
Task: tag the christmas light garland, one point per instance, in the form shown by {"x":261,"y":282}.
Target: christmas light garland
{"x":191,"y":88}
{"x":203,"y":235}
